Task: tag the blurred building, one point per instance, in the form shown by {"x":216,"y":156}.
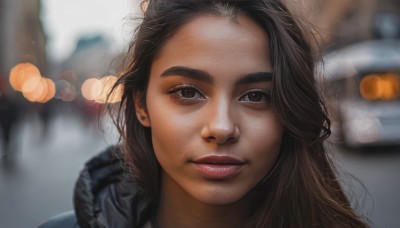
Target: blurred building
{"x":342,"y":22}
{"x":21,"y":36}
{"x":92,"y":57}
{"x":339,"y":23}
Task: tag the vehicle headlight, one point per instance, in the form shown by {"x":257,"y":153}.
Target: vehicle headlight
{"x":380,"y":86}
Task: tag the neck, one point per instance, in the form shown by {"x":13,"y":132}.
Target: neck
{"x":179,"y":209}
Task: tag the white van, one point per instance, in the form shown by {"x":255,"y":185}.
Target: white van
{"x":363,"y":83}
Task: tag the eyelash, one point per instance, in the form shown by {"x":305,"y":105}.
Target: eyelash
{"x":199,"y":96}
{"x":265,"y":93}
{"x":179,"y":88}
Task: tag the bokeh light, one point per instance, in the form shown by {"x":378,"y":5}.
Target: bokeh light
{"x":51,"y":91}
{"x":26,"y":78}
{"x":99,"y":90}
{"x":65,"y":91}
{"x":36,"y":90}
{"x":22,"y":73}
{"x":144,"y":5}
{"x":91,"y":89}
{"x":384,"y":86}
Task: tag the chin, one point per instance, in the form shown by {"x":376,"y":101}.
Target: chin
{"x":218,"y":196}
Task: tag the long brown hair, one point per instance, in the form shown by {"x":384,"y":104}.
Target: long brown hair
{"x":302,"y":189}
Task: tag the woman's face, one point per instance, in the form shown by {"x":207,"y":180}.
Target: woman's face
{"x":208,"y":105}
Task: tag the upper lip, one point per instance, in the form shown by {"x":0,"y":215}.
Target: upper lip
{"x":219,"y":159}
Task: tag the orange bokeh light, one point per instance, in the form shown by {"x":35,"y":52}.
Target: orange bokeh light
{"x":41,"y":90}
{"x":37,"y":89}
{"x":21,"y":73}
{"x":91,"y":89}
{"x":107,"y":82}
{"x":380,"y":86}
{"x":99,"y":90}
{"x":116,"y":95}
{"x":51,"y":91}
{"x":144,"y":5}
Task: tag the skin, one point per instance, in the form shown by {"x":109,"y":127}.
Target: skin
{"x":192,"y":116}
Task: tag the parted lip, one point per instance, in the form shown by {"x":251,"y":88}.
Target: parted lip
{"x":219,"y":159}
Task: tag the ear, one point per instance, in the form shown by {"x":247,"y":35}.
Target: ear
{"x":141,"y":110}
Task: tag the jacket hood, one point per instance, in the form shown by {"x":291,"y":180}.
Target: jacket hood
{"x":106,"y":195}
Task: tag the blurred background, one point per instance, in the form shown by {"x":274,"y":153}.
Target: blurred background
{"x":58,"y":58}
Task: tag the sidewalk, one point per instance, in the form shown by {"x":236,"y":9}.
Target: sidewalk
{"x":39,"y":183}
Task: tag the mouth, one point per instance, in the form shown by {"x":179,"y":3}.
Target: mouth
{"x":218,"y":167}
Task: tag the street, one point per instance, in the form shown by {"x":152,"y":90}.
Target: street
{"x":39,"y":184}
{"x":374,"y":177}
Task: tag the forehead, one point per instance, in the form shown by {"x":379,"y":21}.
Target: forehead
{"x":219,"y":37}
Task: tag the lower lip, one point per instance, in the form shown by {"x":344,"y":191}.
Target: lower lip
{"x":218,"y":171}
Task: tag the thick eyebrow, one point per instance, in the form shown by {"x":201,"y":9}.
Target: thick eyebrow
{"x":188,"y":72}
{"x":205,"y":76}
{"x":255,"y":77}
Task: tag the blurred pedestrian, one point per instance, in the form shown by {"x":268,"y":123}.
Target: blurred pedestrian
{"x":222,"y":125}
{"x":9,"y":117}
{"x":45,"y":113}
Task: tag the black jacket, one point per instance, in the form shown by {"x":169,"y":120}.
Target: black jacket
{"x":105,"y":196}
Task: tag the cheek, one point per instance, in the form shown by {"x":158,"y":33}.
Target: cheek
{"x":167,"y":145}
{"x":265,"y":139}
{"x":165,"y":136}
{"x":265,"y":130}
{"x":171,"y":132}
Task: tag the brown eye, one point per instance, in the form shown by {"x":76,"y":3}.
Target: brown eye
{"x":188,"y":93}
{"x":257,"y":96}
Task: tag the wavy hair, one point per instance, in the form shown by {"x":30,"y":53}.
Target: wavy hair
{"x":302,"y":190}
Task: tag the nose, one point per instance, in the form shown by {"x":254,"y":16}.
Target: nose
{"x":220,"y":126}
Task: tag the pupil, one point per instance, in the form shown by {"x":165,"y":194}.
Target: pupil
{"x":188,"y":93}
{"x":255,"y":97}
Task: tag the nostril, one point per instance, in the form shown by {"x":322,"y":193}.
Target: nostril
{"x":221,"y":141}
{"x":220,"y":135}
{"x":230,"y":140}
{"x":211,"y":138}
